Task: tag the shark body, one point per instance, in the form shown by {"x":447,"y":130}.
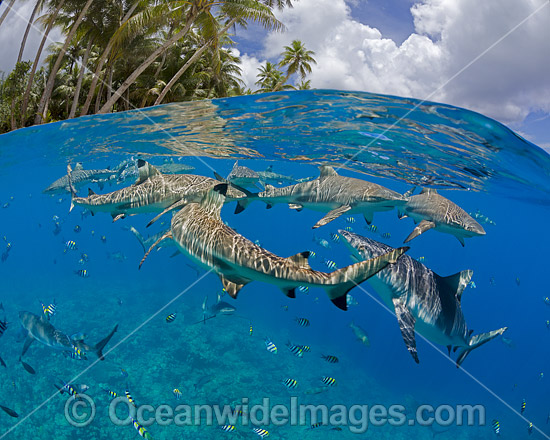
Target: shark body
{"x":201,"y":235}
{"x":422,"y":300}
{"x":81,"y":177}
{"x":333,"y":193}
{"x":433,"y":211}
{"x":39,"y":329}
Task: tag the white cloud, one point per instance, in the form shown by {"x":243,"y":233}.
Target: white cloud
{"x":249,"y":66}
{"x":507,"y":83}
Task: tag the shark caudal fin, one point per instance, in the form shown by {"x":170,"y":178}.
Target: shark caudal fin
{"x":348,"y":277}
{"x":71,"y":186}
{"x":98,"y":348}
{"x":243,"y":202}
{"x":477,"y":341}
{"x":139,"y":237}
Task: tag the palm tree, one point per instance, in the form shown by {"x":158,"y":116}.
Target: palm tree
{"x":297,"y":59}
{"x":42,"y":106}
{"x":201,"y":10}
{"x":37,"y":7}
{"x":269,"y":77}
{"x":49,"y":21}
{"x":6,"y":11}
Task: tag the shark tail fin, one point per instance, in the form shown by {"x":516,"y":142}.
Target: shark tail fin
{"x":98,"y":348}
{"x":243,"y":202}
{"x":477,"y":341}
{"x":139,"y":237}
{"x":165,"y":236}
{"x":348,"y":277}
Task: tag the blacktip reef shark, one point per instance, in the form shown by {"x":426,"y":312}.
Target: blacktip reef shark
{"x":152,"y":192}
{"x":81,"y":177}
{"x":434,"y":211}
{"x":199,"y":233}
{"x":333,"y":193}
{"x":39,"y":329}
{"x":243,"y":176}
{"x":422,"y":300}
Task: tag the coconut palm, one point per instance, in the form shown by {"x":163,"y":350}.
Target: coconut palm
{"x":297,"y":59}
{"x":6,"y":11}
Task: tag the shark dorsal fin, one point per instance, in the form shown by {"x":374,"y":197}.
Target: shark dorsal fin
{"x":145,"y":170}
{"x":78,"y":166}
{"x":458,"y":282}
{"x":301,"y":259}
{"x":428,"y":191}
{"x":214,"y":199}
{"x":327,"y":171}
{"x":269,"y":169}
{"x":90,"y":192}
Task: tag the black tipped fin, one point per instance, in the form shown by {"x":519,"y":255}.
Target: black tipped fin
{"x":341,"y":302}
{"x":101,"y":344}
{"x":457,"y":282}
{"x":90,"y":192}
{"x":332,"y":215}
{"x":290,"y":293}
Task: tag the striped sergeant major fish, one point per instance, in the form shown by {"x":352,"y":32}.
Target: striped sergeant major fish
{"x":171,"y":317}
{"x":49,"y":310}
{"x":129,"y":397}
{"x":69,"y":389}
{"x":296,"y":350}
{"x":228,"y":428}
{"x":423,"y":301}
{"x":141,"y":430}
{"x":328,"y":381}
{"x":270,"y":346}
{"x":261,"y":432}
{"x":290,"y":383}
{"x":201,"y":235}
{"x":111,"y":393}
{"x":496,"y":426}
{"x":302,"y":322}
{"x":330,"y":359}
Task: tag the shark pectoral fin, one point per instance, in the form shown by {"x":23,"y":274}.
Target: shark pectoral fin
{"x":368,"y":216}
{"x":230,"y":287}
{"x":457,"y":282}
{"x":27,"y":344}
{"x":422,"y":227}
{"x":117,"y":216}
{"x":301,"y":259}
{"x":461,"y":239}
{"x":164,"y":237}
{"x":477,"y":341}
{"x":295,"y":206}
{"x":173,"y":206}
{"x":332,"y":215}
{"x":406,"y":324}
{"x":98,"y":348}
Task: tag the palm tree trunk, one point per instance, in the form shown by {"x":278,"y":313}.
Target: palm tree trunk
{"x":281,"y":83}
{"x":110,"y":83}
{"x":51,"y":79}
{"x":80,"y":77}
{"x":99,"y":93}
{"x":101,"y":63}
{"x":36,"y":61}
{"x":161,"y":49}
{"x":27,"y":30}
{"x":6,"y":11}
{"x":191,"y":60}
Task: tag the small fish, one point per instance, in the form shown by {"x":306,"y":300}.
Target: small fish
{"x":518,"y":282}
{"x":328,"y":381}
{"x":386,"y":235}
{"x":422,"y":259}
{"x":334,"y":237}
{"x":472,"y":284}
{"x":84,"y":257}
{"x":49,"y":310}
{"x":372,"y":228}
{"x":130,"y":398}
{"x":70,"y":246}
{"x":351,"y":301}
{"x":290,"y":383}
{"x":261,"y":432}
{"x":177,"y":393}
{"x":141,"y":430}
{"x":251,"y":330}
{"x":103,"y":239}
{"x":330,"y":359}
{"x":123,"y":372}
{"x":285,"y":308}
{"x":330,"y":264}
{"x":321,"y":242}
{"x":3,"y":327}
{"x":523,"y":405}
{"x":296,"y":350}
{"x":171,"y":317}
{"x":270,"y":346}
{"x":312,"y":254}
{"x":348,"y":229}
{"x":350,"y":220}
{"x":302,"y":322}
{"x":111,"y":393}
{"x":303,"y":289}
{"x":305,"y":348}
{"x":548,"y":323}
{"x":530,"y":428}
{"x":227,"y":428}
{"x":27,"y":367}
{"x":83,"y":273}
{"x":77,"y":229}
{"x":258,"y":243}
{"x":9,"y":411}
{"x":541,"y":376}
{"x":316,"y":425}
{"x":69,"y":389}
{"x":546,"y":300}
{"x":77,"y":354}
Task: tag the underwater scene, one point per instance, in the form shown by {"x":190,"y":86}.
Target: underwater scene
{"x":312,"y":264}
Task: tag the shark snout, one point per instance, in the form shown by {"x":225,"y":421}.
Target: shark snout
{"x":475,"y":228}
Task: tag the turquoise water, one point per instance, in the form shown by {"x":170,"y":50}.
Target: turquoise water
{"x":472,"y":160}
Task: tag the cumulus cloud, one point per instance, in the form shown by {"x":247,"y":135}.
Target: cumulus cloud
{"x":506,"y":83}
{"x":249,"y":66}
